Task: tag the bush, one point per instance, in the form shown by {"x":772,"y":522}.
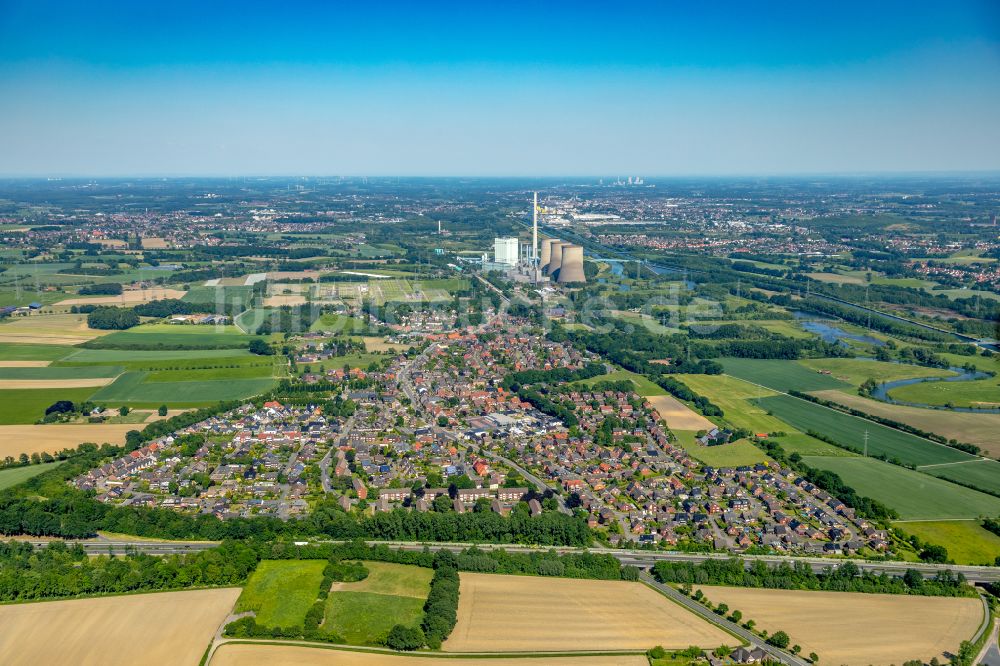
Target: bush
{"x":260,"y":348}
{"x":405,"y":638}
{"x":112,"y":318}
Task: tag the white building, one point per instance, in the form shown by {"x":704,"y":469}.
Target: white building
{"x":505,"y":251}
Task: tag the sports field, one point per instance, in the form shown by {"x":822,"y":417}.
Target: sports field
{"x":243,"y":654}
{"x":363,"y":612}
{"x":858,"y":629}
{"x":850,"y":431}
{"x":966,"y":540}
{"x":281,"y":591}
{"x":978,"y":429}
{"x":525,"y":613}
{"x":54,"y":437}
{"x":914,"y":495}
{"x":162,"y":628}
{"x":780,"y":375}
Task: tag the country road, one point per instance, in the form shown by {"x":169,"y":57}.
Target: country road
{"x":719,"y":621}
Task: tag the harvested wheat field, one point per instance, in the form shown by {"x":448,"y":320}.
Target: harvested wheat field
{"x":24,"y":364}
{"x":154,"y":243}
{"x":527,"y":613}
{"x":53,"y":437}
{"x":678,"y":415}
{"x":56,"y":329}
{"x":284,"y":299}
{"x":243,"y":654}
{"x":130,"y":297}
{"x":54,"y":383}
{"x":377,"y":344}
{"x":858,"y":629}
{"x":163,"y":628}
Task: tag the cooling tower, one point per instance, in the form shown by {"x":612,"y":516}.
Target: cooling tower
{"x":543,"y":263}
{"x":572,"y":265}
{"x":555,"y":257}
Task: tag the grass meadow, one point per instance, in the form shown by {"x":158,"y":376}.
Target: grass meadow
{"x":282,"y":591}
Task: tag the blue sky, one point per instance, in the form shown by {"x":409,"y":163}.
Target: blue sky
{"x":574,"y":88}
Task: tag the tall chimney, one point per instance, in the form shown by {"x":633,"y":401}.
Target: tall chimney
{"x":534,"y":228}
{"x":572,"y":265}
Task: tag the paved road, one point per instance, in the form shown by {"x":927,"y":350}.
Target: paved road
{"x":640,"y":558}
{"x":324,"y":464}
{"x":990,"y":654}
{"x":538,"y":483}
{"x":719,"y":621}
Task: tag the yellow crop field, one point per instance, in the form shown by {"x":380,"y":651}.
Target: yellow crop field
{"x":54,"y":383}
{"x":521,"y":613}
{"x":244,"y":654}
{"x":678,"y":415}
{"x":131,"y":297}
{"x":858,"y":629}
{"x":18,"y":439}
{"x":57,"y":329}
{"x":154,"y":629}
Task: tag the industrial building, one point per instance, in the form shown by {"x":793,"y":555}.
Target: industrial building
{"x":571,"y":268}
{"x":506,"y":251}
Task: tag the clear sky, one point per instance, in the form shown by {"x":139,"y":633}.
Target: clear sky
{"x":211,"y":87}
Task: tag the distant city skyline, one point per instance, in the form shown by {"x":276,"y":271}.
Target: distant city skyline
{"x":451,"y":89}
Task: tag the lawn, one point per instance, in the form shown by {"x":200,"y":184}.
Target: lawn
{"x":365,"y":611}
{"x":28,"y":405}
{"x":724,"y":455}
{"x":282,"y":591}
{"x":643,"y":386}
{"x":967,"y":541}
{"x":856,"y":371}
{"x":913,"y":494}
{"x":850,"y":431}
{"x":780,"y":375}
{"x":15,"y":475}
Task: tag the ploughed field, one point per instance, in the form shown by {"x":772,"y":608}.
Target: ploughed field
{"x":498,"y":613}
{"x":137,"y":630}
{"x":858,"y":629}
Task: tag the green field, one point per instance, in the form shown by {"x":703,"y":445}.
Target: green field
{"x":226,"y":295}
{"x":339,"y":322}
{"x":246,"y":371}
{"x":28,"y":405}
{"x":128,"y":356}
{"x":913,"y":494}
{"x":724,"y":455}
{"x":966,"y":540}
{"x":780,"y":375}
{"x":805,"y":445}
{"x":960,"y":394}
{"x":364,"y":612}
{"x":12,"y":477}
{"x":736,"y":398}
{"x":856,"y":371}
{"x":19,"y":352}
{"x":983,"y":474}
{"x":175,"y":337}
{"x":850,"y":431}
{"x":643,"y":386}
{"x":353,"y":360}
{"x":281,"y":591}
{"x":56,"y":372}
{"x":137,"y":388}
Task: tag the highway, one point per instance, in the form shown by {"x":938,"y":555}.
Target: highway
{"x":644,"y":559}
{"x":720,"y":621}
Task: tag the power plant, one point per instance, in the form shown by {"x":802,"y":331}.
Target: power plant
{"x":555,"y":259}
{"x":572,"y":265}
{"x":543,"y":263}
